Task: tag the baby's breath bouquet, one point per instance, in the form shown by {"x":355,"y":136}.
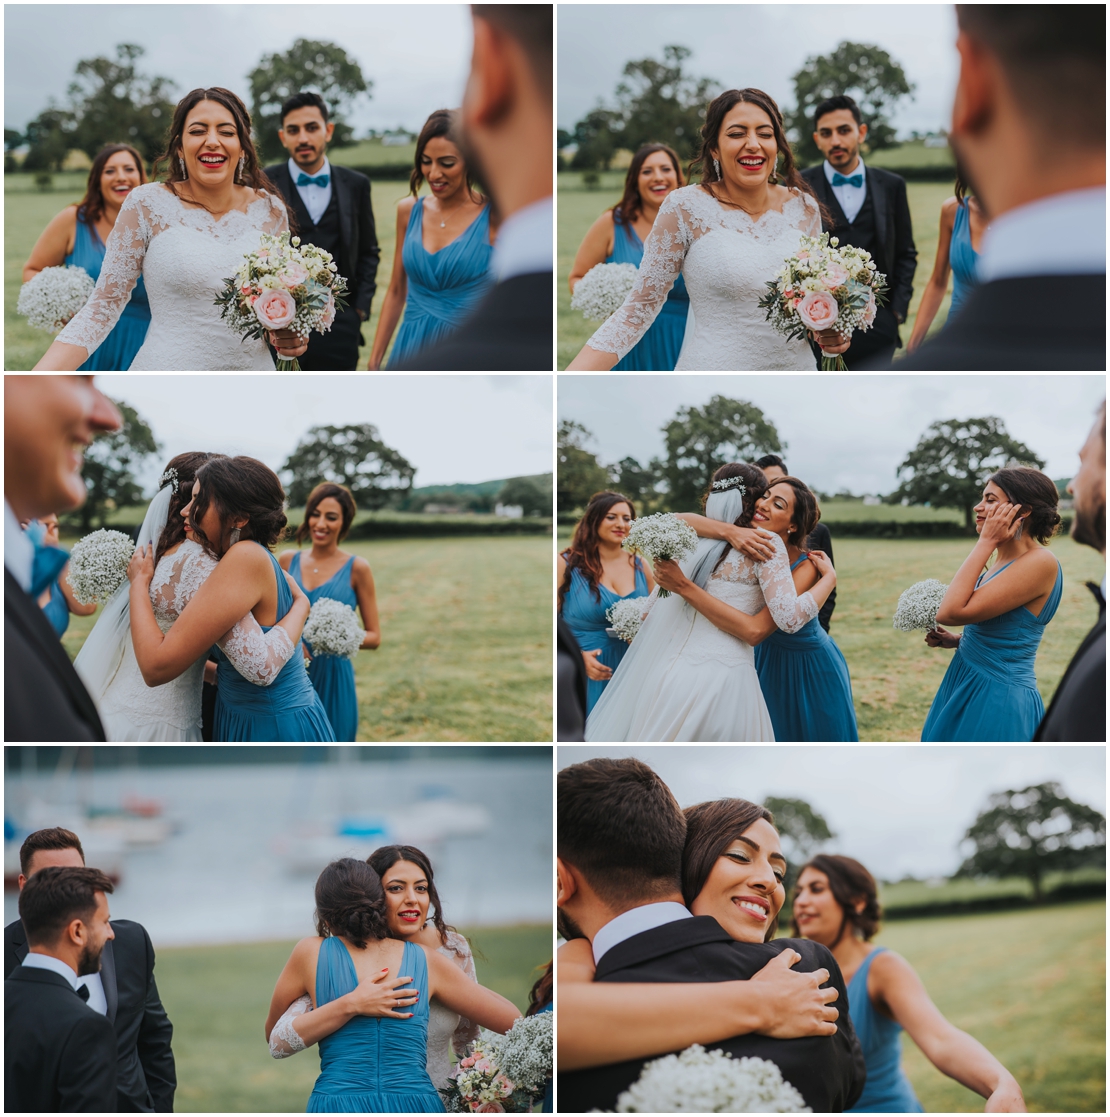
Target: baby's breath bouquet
{"x":333,"y":629}
{"x":626,"y":616}
{"x":503,"y":1074}
{"x":602,"y":290}
{"x":661,"y":536}
{"x":825,"y":287}
{"x":53,"y":297}
{"x":917,"y":606}
{"x":98,"y":565}
{"x":283,"y":285}
{"x":700,"y":1081}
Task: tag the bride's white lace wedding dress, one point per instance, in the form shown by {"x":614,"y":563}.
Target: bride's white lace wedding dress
{"x":684,"y":679}
{"x":727,"y":258}
{"x":184,"y":255}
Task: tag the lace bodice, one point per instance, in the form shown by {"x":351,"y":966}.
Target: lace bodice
{"x":727,"y":258}
{"x":183,"y":254}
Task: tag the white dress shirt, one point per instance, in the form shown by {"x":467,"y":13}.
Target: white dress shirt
{"x":19,"y":551}
{"x":1063,"y":234}
{"x":315,"y":198}
{"x":851,"y":198}
{"x":97,"y":1001}
{"x":632,"y":922}
{"x":525,"y":242}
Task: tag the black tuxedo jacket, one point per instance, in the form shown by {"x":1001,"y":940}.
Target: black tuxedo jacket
{"x":571,"y":713}
{"x":360,"y":255}
{"x":44,"y":700}
{"x":1078,"y":708}
{"x":896,"y":257}
{"x":59,"y":1055}
{"x":1037,"y":322}
{"x":819,"y":539}
{"x":510,"y":330}
{"x":828,"y":1071}
{"x":142,"y":1032}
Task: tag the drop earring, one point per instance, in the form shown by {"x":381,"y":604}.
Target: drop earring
{"x":234,"y":537}
{"x":181,"y":161}
{"x":717,"y":168}
{"x":239,"y":174}
{"x":1021,"y":528}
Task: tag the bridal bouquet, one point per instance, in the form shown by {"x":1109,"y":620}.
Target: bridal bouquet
{"x":600,"y":292}
{"x":917,"y":607}
{"x":504,"y":1074}
{"x":53,"y":297}
{"x":661,"y":536}
{"x":700,"y":1081}
{"x":282,"y":285}
{"x":825,"y":287}
{"x":333,"y":629}
{"x":626,"y":617}
{"x":98,"y":565}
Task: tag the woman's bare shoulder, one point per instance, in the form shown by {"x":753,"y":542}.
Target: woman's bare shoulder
{"x":285,"y":559}
{"x":404,"y":206}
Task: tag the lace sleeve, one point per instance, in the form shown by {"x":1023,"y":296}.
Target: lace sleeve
{"x":810,"y":223}
{"x":467,"y":1031}
{"x":284,"y":1039}
{"x":277,"y":220}
{"x":258,"y":656}
{"x":789,"y":611}
{"x":123,"y":263}
{"x":664,"y":252}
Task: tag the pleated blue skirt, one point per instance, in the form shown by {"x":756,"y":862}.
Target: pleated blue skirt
{"x":333,"y":678}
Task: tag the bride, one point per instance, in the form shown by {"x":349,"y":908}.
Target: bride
{"x":727,"y":236}
{"x":688,"y":678}
{"x":185,"y":236}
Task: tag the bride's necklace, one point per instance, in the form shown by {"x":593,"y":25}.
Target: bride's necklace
{"x":729,"y":202}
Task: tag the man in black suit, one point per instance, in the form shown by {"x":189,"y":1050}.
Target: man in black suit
{"x":59,"y":1054}
{"x":333,"y":212}
{"x":123,"y":991}
{"x":47,"y":419}
{"x":868,"y":209}
{"x":507,"y":120}
{"x":570,"y":687}
{"x":620,"y":850}
{"x":1078,"y":708}
{"x":1032,"y":77}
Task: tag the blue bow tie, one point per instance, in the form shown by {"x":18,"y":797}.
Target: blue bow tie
{"x":308,"y":180}
{"x":838,"y":179}
{"x":48,"y":561}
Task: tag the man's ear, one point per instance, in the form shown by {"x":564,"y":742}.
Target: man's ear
{"x":329,"y":131}
{"x":862,"y":132}
{"x":567,"y":882}
{"x":77,"y":933}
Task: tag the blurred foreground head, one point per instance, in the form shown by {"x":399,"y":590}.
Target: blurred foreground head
{"x":53,"y":846}
{"x":1088,"y":487}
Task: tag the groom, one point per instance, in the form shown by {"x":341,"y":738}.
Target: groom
{"x":620,"y":843}
{"x":868,"y":209}
{"x":332,"y":208}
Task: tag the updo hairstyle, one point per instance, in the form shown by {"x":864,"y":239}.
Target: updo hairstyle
{"x":185,"y":466}
{"x":755,"y":485}
{"x":350,"y":903}
{"x":240,"y":486}
{"x":806,"y":510}
{"x":1026,"y":486}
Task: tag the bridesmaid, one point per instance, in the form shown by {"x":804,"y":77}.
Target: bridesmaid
{"x":617,"y":237}
{"x":58,"y":601}
{"x":444,"y":245}
{"x":343,"y":577}
{"x":594,"y":574}
{"x":77,"y":237}
{"x":989,"y":692}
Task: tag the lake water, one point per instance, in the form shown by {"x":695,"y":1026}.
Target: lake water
{"x":249,"y":841}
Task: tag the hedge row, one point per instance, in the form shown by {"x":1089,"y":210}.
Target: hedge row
{"x":1064,"y":894}
{"x":391,"y":172}
{"x":440,"y":526}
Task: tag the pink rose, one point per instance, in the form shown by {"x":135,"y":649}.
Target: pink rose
{"x":836,"y":274}
{"x":490,"y":1107}
{"x":869,"y":311}
{"x":275,"y":309}
{"x":294,"y":274}
{"x":329,"y":314}
{"x":818,"y":310}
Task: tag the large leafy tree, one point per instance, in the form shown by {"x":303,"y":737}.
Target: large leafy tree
{"x":598,"y":135}
{"x":580,"y":474}
{"x":526,"y":493}
{"x":637,"y":482}
{"x":49,"y":138}
{"x":354,"y":456}
{"x":1034,"y":831}
{"x":700,"y":440}
{"x":866,"y":73}
{"x":803,"y":832}
{"x":952,"y":461}
{"x":307,"y":66}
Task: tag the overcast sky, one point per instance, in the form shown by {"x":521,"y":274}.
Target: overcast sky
{"x":901,"y":810}
{"x":842,"y":432}
{"x":760,"y":45}
{"x":452,"y":428}
{"x":418,"y":55}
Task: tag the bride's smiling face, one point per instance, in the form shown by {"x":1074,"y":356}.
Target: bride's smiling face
{"x":746,"y":146}
{"x":775,"y":511}
{"x":744,"y":890}
{"x":406,"y":898}
{"x":210,"y":144}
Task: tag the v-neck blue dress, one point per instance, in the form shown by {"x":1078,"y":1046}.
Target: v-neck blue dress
{"x":444,"y":286}
{"x":989,"y":692}
{"x":333,"y":676}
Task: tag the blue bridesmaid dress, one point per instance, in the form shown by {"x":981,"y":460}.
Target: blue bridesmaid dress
{"x":286,"y":710}
{"x":444,"y":286}
{"x":962,"y":258}
{"x":585,"y":616}
{"x":57,"y":609}
{"x":805,"y":683}
{"x":989,"y":692}
{"x":888,"y":1090}
{"x":658,"y":349}
{"x":333,"y":676}
{"x":116,"y":352}
{"x":373,"y":1064}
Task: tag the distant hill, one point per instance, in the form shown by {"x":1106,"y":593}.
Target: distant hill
{"x":483,"y":488}
{"x":479,"y":497}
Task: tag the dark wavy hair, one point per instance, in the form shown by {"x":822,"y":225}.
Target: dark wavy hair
{"x":1031,"y":487}
{"x":849,"y":883}
{"x":91,"y":206}
{"x":582,"y":554}
{"x":543,"y":991}
{"x":755,"y":485}
{"x":350,"y":902}
{"x":631,"y":204}
{"x":322,"y":491}
{"x":55,"y":896}
{"x":806,"y":509}
{"x":240,"y":486}
{"x":49,"y":838}
{"x":383,"y":859}
{"x":186,"y":466}
{"x":445,"y":123}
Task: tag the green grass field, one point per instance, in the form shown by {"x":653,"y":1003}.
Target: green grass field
{"x":837,"y":511}
{"x":914,"y":893}
{"x":579,"y":207}
{"x":218,"y":997}
{"x":466,"y":640}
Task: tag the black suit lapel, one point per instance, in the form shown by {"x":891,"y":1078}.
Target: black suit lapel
{"x":881,"y":210}
{"x":827,"y":198}
{"x":108,"y":980}
{"x":343,"y":205}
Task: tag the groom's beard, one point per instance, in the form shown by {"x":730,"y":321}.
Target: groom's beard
{"x":1090,"y":526}
{"x":89,"y":961}
{"x":567,"y":927}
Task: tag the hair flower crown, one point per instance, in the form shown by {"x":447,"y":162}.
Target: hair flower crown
{"x":169,"y":478}
{"x":727,"y":483}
